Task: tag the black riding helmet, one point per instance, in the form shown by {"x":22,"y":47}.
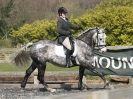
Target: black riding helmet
{"x":62,"y":10}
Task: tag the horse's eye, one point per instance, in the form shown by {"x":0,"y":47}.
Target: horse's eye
{"x":100,"y":39}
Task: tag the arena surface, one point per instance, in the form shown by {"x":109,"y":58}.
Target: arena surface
{"x":95,"y":91}
{"x":13,"y":91}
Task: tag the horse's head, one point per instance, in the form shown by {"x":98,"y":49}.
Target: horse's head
{"x":99,"y":39}
{"x":95,"y":38}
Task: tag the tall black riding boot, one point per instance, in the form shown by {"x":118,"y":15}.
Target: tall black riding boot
{"x":68,"y":58}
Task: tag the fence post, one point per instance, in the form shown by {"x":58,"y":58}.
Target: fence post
{"x":131,"y":80}
{"x":84,"y":80}
{"x":36,"y":82}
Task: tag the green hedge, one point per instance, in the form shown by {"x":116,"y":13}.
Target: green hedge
{"x":35,"y":31}
{"x":117,"y":21}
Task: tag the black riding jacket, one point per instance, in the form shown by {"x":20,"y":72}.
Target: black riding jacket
{"x":64,"y":29}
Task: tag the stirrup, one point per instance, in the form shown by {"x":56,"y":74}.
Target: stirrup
{"x":73,"y":59}
{"x":68,"y":64}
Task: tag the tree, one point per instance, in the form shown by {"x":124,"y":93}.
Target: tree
{"x":4,"y":15}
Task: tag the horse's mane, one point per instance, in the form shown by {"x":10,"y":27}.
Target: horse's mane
{"x":85,"y":31}
{"x":86,"y":36}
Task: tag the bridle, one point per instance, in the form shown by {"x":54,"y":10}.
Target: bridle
{"x":98,"y":44}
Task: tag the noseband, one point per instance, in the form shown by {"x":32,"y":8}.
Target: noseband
{"x":97,"y":43}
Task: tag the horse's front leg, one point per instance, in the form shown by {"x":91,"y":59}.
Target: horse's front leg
{"x":87,"y":62}
{"x":41,"y":73}
{"x":101,"y":75}
{"x":106,"y":83}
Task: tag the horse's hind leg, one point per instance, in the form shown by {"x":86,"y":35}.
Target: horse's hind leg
{"x":41,"y":72}
{"x":81,"y":73}
{"x":28,"y":73}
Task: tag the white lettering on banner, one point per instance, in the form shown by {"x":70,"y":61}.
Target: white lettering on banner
{"x":96,"y":63}
{"x":116,"y":63}
{"x":125,"y":62}
{"x":107,"y":61}
{"x":131,"y":60}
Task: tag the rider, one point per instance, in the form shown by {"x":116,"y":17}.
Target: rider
{"x":64,"y":29}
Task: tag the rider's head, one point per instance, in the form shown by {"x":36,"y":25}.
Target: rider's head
{"x":62,"y":11}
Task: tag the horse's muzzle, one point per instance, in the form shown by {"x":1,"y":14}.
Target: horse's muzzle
{"x":103,"y":49}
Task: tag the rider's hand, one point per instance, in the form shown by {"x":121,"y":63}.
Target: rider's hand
{"x":80,"y":28}
{"x":68,"y":33}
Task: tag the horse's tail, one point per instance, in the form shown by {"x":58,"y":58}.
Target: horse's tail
{"x":23,"y":56}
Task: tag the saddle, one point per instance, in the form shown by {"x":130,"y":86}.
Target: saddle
{"x":60,"y":50}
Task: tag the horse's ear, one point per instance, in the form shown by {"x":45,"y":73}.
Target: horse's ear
{"x":97,"y":28}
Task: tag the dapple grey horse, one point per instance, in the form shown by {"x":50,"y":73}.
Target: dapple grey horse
{"x":48,"y":51}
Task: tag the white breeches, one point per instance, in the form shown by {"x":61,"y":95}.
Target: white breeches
{"x":67,"y":44}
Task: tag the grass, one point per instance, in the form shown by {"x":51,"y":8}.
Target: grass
{"x":6,"y":67}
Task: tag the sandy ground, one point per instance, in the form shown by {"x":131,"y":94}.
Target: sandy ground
{"x":13,"y":91}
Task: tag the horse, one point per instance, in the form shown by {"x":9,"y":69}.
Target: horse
{"x":96,"y":39}
{"x":45,"y":51}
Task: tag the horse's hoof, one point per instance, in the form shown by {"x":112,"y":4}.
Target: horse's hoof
{"x":22,"y":86}
{"x":22,"y":89}
{"x":81,"y":88}
{"x":51,"y":90}
{"x":84,"y":87}
{"x":104,"y":86}
{"x":107,"y":84}
{"x":111,"y":87}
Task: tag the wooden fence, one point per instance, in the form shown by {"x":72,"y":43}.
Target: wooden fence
{"x":7,"y":54}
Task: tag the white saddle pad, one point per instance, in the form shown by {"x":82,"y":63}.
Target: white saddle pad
{"x":59,"y":50}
